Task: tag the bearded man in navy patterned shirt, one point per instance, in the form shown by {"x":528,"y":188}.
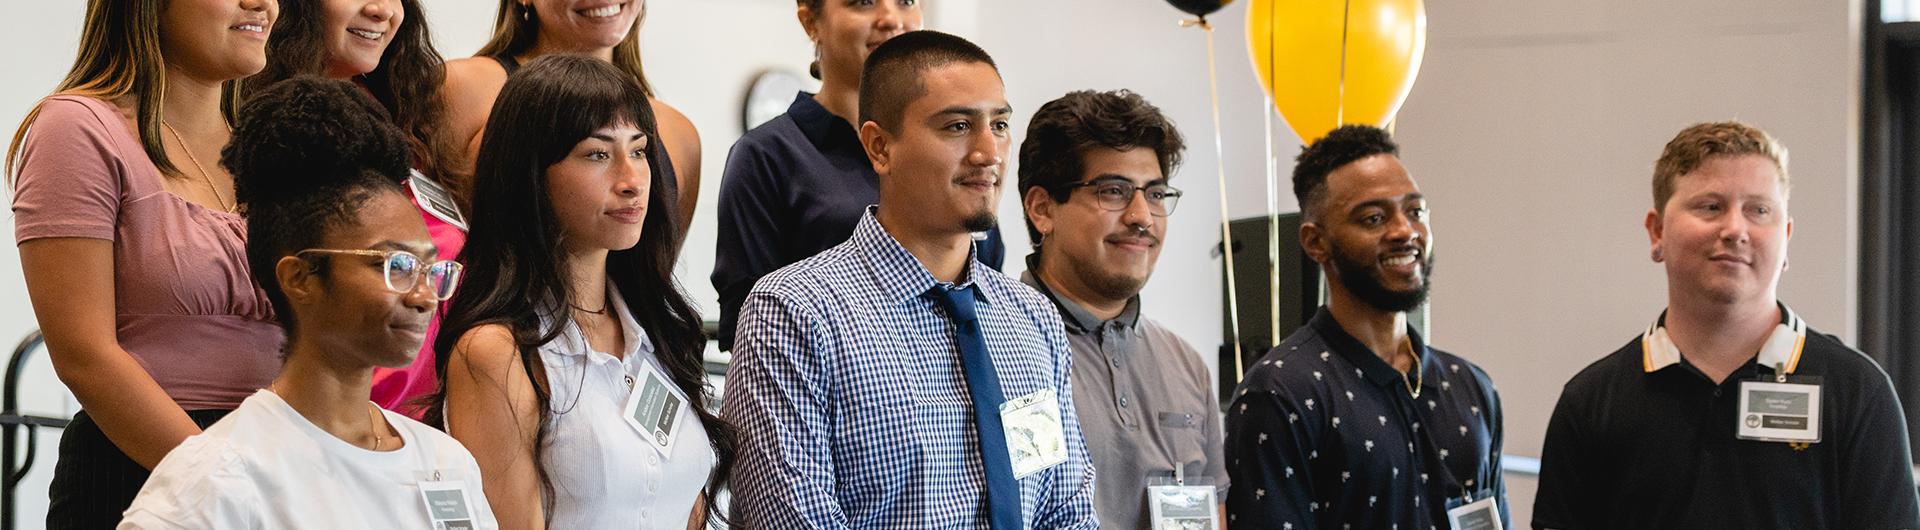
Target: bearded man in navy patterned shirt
{"x":1353,"y":422}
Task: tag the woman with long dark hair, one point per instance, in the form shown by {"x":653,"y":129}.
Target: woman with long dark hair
{"x":346,"y":263}
{"x":384,"y":47}
{"x":134,"y":258}
{"x":524,"y":30}
{"x":572,"y":362}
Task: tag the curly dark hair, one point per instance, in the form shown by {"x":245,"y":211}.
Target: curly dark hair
{"x":1063,"y":129}
{"x":406,"y":83}
{"x":307,"y":154}
{"x":516,"y":266}
{"x":1338,"y":148}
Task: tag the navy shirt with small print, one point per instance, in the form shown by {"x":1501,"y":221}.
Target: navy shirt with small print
{"x":1323,"y":434}
{"x":794,"y":187}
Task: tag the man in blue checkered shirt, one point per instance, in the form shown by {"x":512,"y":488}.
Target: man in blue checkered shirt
{"x":893,"y":381}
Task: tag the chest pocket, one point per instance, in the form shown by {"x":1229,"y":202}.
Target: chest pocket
{"x":1178,"y":420}
{"x":1184,"y":434}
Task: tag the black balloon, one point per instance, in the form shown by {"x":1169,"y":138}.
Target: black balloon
{"x":1199,"y":8}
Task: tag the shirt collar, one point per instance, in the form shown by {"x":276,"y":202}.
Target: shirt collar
{"x":1783,"y":347}
{"x":900,"y":274}
{"x":1377,"y":371}
{"x":637,"y":342}
{"x":1077,"y":318}
{"x":822,"y":128}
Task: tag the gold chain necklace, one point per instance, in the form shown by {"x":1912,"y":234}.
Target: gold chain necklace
{"x":204,"y":176}
{"x":373,"y":421}
{"x":1414,"y":382}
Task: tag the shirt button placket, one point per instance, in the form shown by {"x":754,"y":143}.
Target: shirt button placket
{"x":1121,"y":396}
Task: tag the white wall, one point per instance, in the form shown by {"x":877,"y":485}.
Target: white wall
{"x":1533,"y":127}
{"x":40,"y":39}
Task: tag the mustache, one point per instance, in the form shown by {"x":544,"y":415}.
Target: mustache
{"x":1416,"y":250}
{"x":1139,"y":232}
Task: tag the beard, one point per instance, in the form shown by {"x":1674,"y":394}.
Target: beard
{"x":1114,"y":286}
{"x":980,"y":221}
{"x":1363,"y":280}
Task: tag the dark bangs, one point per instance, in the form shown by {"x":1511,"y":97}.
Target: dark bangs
{"x":568,"y":102}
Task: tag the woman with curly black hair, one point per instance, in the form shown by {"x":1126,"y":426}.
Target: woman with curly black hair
{"x":346,"y":263}
{"x":384,"y":47}
{"x":573,"y":362}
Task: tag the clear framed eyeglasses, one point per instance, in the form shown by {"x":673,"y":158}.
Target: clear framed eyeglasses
{"x":403,"y":270}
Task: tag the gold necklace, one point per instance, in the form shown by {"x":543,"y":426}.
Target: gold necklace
{"x":373,"y":423}
{"x":204,"y":176}
{"x":1413,"y":383}
{"x":372,"y":417}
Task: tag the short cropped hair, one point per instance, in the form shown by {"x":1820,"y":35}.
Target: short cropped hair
{"x":1065,"y":128}
{"x":1338,"y":148}
{"x":1702,"y":141}
{"x":890,"y":80}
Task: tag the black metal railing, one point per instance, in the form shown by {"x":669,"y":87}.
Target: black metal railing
{"x":12,"y":422}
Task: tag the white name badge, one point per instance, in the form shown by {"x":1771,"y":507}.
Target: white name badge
{"x":449,"y":506}
{"x":654,"y":409}
{"x":436,"y":200}
{"x":1483,"y":514}
{"x":1779,"y":412}
{"x":1035,"y":439}
{"x":1183,"y":508}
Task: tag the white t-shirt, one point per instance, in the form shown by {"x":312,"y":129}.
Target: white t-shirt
{"x":605,"y":474}
{"x":265,"y":466}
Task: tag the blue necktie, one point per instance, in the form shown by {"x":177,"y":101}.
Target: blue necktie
{"x":983,"y":385}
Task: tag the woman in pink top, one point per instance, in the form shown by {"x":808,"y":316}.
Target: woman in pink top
{"x":384,"y":47}
{"x":134,"y":258}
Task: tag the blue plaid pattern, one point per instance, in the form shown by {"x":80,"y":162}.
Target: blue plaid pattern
{"x":852,"y":407}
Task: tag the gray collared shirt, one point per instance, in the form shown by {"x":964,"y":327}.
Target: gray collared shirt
{"x":1145,"y":404}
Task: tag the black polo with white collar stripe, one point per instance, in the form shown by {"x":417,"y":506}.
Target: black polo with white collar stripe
{"x":1643,"y":439}
{"x":1323,"y":434}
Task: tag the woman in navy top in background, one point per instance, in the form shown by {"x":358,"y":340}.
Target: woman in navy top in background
{"x":798,"y":184}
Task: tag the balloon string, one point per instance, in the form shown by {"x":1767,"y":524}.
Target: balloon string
{"x":1273,"y":231}
{"x":1273,"y":204}
{"x":1226,"y":221}
{"x":1340,"y":105}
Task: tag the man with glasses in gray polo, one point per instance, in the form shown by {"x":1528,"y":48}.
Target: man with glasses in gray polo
{"x":1093,"y":178}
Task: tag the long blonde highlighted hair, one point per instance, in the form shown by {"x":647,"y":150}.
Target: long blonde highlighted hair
{"x":120,"y":57}
{"x":517,"y":27}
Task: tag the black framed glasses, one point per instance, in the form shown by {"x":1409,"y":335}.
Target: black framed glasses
{"x":1114,"y":195}
{"x":403,"y":270}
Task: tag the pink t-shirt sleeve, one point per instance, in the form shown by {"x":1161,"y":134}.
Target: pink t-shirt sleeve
{"x":71,"y":181}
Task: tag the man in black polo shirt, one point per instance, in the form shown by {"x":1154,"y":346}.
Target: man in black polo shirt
{"x":1353,"y":422}
{"x":1728,"y":411}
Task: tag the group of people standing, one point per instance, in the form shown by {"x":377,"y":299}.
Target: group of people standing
{"x":312,"y":276}
{"x":244,"y":225}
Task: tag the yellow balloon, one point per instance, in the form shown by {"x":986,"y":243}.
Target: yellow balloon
{"x":1330,"y":75}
